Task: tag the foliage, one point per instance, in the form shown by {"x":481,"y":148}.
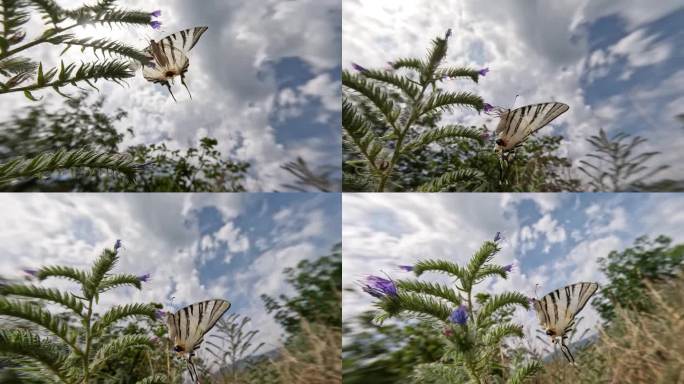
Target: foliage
{"x":318,"y":285}
{"x":59,"y":23}
{"x":74,"y":347}
{"x":617,"y":166}
{"x":84,"y":125}
{"x":387,"y":353}
{"x":474,"y":327}
{"x":47,"y":163}
{"x":533,"y":167}
{"x":20,"y":73}
{"x":383,"y":114}
{"x":629,"y":272}
{"x":313,"y":356}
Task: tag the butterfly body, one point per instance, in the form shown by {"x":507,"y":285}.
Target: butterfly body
{"x":556,"y":312}
{"x":188,"y":326}
{"x":518,"y":124}
{"x":168,"y":57}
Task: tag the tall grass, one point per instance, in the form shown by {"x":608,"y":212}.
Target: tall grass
{"x":314,"y":357}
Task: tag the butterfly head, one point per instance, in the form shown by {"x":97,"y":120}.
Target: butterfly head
{"x":182,"y":352}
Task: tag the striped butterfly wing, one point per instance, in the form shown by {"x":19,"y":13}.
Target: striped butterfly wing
{"x":188,"y":325}
{"x":168,"y":56}
{"x":516,"y":125}
{"x":556,"y":311}
{"x":184,"y":40}
{"x":165,"y":63}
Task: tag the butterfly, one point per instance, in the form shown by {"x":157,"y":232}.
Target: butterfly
{"x":517,"y":124}
{"x":188,"y":326}
{"x":556,"y":312}
{"x":167,"y":58}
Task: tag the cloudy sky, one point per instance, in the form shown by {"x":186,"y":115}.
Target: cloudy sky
{"x":196,"y":247}
{"x":264,"y":79}
{"x":618,"y":64}
{"x":552,"y":239}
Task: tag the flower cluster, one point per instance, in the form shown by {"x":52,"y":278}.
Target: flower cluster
{"x":459,"y":315}
{"x":154,"y":23}
{"x":359,"y":68}
{"x":379,"y":287}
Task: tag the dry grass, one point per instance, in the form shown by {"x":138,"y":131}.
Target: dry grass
{"x":316,"y":358}
{"x":637,"y":348}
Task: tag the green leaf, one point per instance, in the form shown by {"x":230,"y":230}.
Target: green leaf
{"x":456,"y":179}
{"x":30,"y":96}
{"x":48,"y":294}
{"x":41,"y":78}
{"x":525,"y":372}
{"x":4,"y":45}
{"x":154,"y":379}
{"x":68,"y":273}
{"x":378,"y":97}
{"x":118,"y":313}
{"x":115,"y":348}
{"x":359,"y":130}
{"x":499,"y":302}
{"x":67,"y":160}
{"x":442,"y":133}
{"x":432,"y":289}
{"x":45,"y":352}
{"x":40,"y":317}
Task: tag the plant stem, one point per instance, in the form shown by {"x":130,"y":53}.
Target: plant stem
{"x":86,"y":373}
{"x":36,"y":42}
{"x":400,"y":140}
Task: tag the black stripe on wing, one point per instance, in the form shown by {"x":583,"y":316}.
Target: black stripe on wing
{"x":186,"y":39}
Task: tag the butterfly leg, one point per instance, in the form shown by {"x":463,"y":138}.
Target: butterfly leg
{"x":168,"y":86}
{"x":566,"y":352}
{"x":192,"y":370}
{"x":186,"y":86}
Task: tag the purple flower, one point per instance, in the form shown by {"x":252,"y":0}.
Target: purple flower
{"x":30,"y":272}
{"x":448,"y":34}
{"x":484,"y":135}
{"x":483,"y":71}
{"x":155,"y":24}
{"x":379,"y":287}
{"x":448,"y":332}
{"x":497,"y":237}
{"x":159,"y":313}
{"x":117,"y":245}
{"x":156,"y":13}
{"x":359,"y":68}
{"x":459,"y":316}
{"x":154,"y":339}
{"x":144,"y":278}
{"x":488,"y":107}
{"x":407,"y":268}
{"x":508,"y":267}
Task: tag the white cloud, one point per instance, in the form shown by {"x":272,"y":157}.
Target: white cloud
{"x":382,"y":231}
{"x":233,"y":82}
{"x":539,"y":58}
{"x":163,"y":235}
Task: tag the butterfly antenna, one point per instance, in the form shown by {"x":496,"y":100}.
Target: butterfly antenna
{"x":168,"y":86}
{"x":514,"y":100}
{"x":186,"y":86}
